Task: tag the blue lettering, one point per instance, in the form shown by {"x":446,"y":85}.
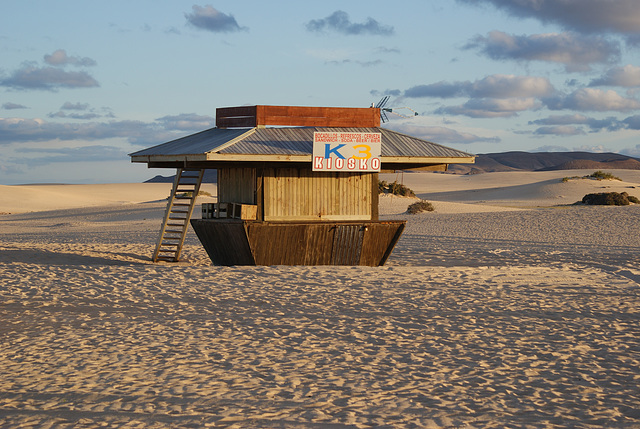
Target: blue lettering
{"x":328,"y":151}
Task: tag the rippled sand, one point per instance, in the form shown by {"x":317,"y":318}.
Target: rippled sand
{"x":491,"y":312}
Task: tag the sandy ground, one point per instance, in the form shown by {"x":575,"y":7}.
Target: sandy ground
{"x":506,"y":307}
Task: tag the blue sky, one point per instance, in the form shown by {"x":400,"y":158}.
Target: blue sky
{"x":84,"y":83}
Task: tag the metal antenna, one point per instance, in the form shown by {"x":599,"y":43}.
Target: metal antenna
{"x":383,"y":101}
{"x":384,"y":110}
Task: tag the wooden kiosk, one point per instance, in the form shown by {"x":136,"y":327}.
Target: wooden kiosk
{"x":277,"y":205}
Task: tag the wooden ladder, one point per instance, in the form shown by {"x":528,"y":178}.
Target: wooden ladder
{"x":176,"y":218}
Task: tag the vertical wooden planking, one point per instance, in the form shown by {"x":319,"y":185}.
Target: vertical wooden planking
{"x":296,"y":194}
{"x":374,"y":197}
{"x":237,"y":185}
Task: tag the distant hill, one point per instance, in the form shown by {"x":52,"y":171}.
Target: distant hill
{"x":546,"y":161}
{"x":210,"y":176}
{"x":510,"y":161}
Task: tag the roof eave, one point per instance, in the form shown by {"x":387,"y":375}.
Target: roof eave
{"x":168,"y":158}
{"x":233,"y":157}
{"x":427,"y":160}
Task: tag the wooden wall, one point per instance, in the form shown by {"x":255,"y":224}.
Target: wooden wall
{"x":300,"y":194}
{"x":237,"y":185}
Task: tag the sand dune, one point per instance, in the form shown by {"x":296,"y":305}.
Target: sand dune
{"x":517,"y":189}
{"x":499,"y":309}
{"x":30,"y":198}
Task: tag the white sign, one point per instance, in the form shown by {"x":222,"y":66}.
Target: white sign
{"x":346,"y":151}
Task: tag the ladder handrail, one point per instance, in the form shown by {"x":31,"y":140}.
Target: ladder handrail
{"x":182,"y":223}
{"x":191,"y":207}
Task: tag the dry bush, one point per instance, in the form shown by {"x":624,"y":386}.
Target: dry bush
{"x":597,"y":175}
{"x":609,"y":199}
{"x":601,"y":175}
{"x":394,"y":188}
{"x":420,"y":206}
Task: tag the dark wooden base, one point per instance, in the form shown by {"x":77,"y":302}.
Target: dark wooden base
{"x":237,"y":242}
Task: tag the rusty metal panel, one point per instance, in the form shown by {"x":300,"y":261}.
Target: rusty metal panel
{"x":297,"y":116}
{"x":242,"y":116}
{"x":379,"y":240}
{"x":347,"y":244}
{"x":225,"y":241}
{"x":231,"y":242}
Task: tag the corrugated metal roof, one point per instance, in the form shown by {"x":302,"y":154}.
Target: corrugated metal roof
{"x":194,"y":144}
{"x":292,"y":141}
{"x":274,"y":141}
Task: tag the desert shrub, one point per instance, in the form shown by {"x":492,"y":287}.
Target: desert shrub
{"x":607,"y":199}
{"x":601,"y":175}
{"x":633,"y":199}
{"x":394,"y":188}
{"x":598,"y":175}
{"x":420,"y":206}
{"x":189,"y":194}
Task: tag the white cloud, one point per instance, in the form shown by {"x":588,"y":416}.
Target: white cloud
{"x":30,"y":76}
{"x":210,"y":19}
{"x":507,"y":86}
{"x":187,"y":122}
{"x":340,"y":22}
{"x":440,"y":134}
{"x":13,"y":106}
{"x":633,"y":122}
{"x":493,"y":86}
{"x":588,"y":16}
{"x":46,"y":156}
{"x":632,"y":151}
{"x":591,"y":99}
{"x":593,"y":149}
{"x":491,"y":108}
{"x":550,"y":148}
{"x":60,"y":58}
{"x":74,"y":106}
{"x":610,"y":123}
{"x":626,"y":76}
{"x":577,"y":52}
{"x":559,"y":130}
{"x":17,"y":130}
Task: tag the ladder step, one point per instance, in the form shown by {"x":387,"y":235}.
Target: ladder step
{"x":169,"y":241}
{"x":177,"y":216}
